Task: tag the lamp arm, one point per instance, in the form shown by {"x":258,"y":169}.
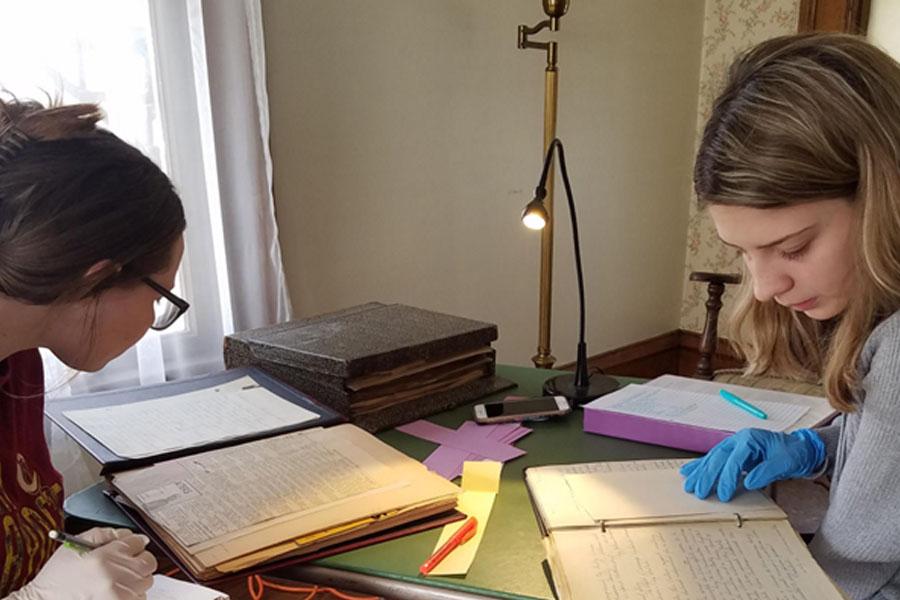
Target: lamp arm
{"x":541,"y":190}
{"x":525,"y":31}
{"x":581,"y":373}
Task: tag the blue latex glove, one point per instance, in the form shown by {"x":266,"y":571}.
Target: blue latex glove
{"x":766,"y":457}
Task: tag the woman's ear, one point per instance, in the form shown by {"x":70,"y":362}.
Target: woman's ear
{"x":101,"y":270}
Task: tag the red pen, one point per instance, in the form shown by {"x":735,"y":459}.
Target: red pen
{"x":462,"y":535}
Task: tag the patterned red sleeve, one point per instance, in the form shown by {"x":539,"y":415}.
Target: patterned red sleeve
{"x":31,"y":492}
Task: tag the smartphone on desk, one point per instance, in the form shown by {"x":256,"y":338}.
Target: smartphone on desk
{"x":521,"y":409}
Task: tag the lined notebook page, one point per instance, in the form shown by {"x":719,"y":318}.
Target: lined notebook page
{"x":230,"y":410}
{"x":708,"y":561}
{"x":555,"y":498}
{"x":655,"y":495}
{"x":695,"y":408}
{"x":166,"y":588}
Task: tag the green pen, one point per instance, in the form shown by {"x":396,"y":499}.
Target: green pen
{"x":70,"y":541}
{"x":743,"y":404}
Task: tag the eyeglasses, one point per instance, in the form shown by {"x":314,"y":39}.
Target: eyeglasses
{"x":167,"y":308}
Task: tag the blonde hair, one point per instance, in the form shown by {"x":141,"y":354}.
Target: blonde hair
{"x":805,"y":118}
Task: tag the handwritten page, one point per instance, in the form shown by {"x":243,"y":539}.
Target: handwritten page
{"x":235,"y":409}
{"x":224,"y":504}
{"x":708,"y":561}
{"x":626,"y":495}
{"x":555,"y":498}
{"x":697,"y":408}
{"x":166,"y":588}
{"x":201,"y":502}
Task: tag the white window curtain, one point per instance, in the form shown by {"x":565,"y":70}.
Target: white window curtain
{"x":183,"y":81}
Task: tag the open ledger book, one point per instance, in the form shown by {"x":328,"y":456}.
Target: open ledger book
{"x":226,"y":510}
{"x":236,"y":471}
{"x":627,"y":530}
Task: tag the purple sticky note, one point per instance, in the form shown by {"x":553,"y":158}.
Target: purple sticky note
{"x":465,"y":438}
{"x":506,"y":433}
{"x":446,"y":461}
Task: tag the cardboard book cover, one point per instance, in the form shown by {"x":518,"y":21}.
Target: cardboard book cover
{"x":378,"y":364}
{"x":361,"y":340}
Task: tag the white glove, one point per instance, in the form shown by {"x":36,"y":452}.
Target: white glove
{"x":120,"y":569}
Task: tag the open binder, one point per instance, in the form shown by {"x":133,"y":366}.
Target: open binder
{"x":628,"y":530}
{"x":110,"y":462}
{"x":258,"y":500}
{"x":650,"y":420}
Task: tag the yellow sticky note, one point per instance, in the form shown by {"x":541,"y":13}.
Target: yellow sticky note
{"x":480,"y":484}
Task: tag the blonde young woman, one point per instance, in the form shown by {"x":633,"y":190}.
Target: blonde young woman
{"x":800,"y":168}
{"x":90,"y":241}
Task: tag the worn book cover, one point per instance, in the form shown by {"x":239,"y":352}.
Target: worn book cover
{"x":377,"y":364}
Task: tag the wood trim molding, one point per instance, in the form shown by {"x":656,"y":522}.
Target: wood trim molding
{"x":674,"y":352}
{"x":636,"y":351}
{"x":848,"y":16}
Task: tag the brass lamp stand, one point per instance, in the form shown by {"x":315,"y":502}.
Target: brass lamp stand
{"x":554,"y":9}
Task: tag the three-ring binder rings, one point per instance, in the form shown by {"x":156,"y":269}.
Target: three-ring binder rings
{"x":621,"y":529}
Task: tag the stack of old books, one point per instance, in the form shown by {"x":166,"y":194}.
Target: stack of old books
{"x":377,"y":364}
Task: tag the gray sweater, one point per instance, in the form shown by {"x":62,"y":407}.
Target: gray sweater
{"x":858,"y":543}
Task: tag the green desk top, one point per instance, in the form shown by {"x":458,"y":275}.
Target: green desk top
{"x":509,"y":561}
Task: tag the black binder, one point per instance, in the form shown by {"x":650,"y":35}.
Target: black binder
{"x":111,"y":462}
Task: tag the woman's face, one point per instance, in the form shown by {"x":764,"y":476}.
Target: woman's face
{"x":801,"y":256}
{"x":103,"y":327}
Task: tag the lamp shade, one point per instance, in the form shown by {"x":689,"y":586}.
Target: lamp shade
{"x":535,"y":214}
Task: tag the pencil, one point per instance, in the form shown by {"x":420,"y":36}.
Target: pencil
{"x":71,"y":541}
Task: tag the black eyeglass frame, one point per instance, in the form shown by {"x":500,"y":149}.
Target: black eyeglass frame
{"x":180,"y":303}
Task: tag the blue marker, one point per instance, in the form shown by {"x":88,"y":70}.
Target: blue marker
{"x":743,"y":404}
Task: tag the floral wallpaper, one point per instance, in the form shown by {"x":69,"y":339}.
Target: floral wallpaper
{"x":730,"y":27}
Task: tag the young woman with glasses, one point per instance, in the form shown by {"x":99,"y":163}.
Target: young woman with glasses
{"x":90,"y":242}
{"x":800,"y":167}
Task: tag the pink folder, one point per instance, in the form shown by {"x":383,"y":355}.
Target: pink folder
{"x":652,"y":431}
{"x":697,"y":438}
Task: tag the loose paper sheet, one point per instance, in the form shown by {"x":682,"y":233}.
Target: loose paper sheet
{"x":480,"y":483}
{"x":234,"y":409}
{"x":819,"y":409}
{"x":166,"y":588}
{"x":707,"y":561}
{"x":696,"y":408}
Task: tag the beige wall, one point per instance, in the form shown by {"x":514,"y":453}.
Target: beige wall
{"x":884,"y":26}
{"x":731,"y":26}
{"x":406,"y":139}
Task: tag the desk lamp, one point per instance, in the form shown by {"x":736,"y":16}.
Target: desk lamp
{"x":555,"y":10}
{"x":580,"y":387}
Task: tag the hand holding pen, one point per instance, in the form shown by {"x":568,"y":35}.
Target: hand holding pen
{"x":100,"y":563}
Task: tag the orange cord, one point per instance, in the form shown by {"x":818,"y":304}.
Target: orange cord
{"x":256,"y":585}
